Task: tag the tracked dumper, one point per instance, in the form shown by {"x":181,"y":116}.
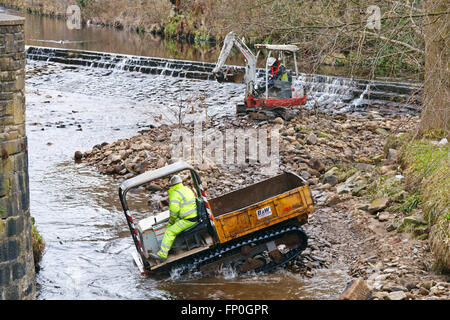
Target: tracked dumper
{"x":257,"y":228}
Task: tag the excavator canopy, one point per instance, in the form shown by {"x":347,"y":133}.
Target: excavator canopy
{"x":278,"y":47}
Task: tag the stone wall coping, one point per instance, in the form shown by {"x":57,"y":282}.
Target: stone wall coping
{"x":10,"y":20}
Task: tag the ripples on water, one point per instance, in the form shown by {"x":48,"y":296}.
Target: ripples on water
{"x":279,"y":285}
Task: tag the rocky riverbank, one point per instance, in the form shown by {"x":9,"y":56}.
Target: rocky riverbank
{"x":364,"y":219}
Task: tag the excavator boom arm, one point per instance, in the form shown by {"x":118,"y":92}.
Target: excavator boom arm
{"x":250,"y":68}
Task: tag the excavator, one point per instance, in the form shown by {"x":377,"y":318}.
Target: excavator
{"x":252,"y":229}
{"x":261,"y":96}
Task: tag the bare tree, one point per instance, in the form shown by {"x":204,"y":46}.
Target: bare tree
{"x":436,"y":102}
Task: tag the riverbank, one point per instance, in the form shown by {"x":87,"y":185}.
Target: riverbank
{"x":427,"y":162}
{"x":343,"y":160}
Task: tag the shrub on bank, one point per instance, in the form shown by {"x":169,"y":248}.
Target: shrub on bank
{"x":38,"y":246}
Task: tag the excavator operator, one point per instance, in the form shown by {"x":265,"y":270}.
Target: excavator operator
{"x":183,"y":215}
{"x":277,"y":72}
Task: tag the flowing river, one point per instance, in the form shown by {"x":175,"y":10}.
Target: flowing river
{"x":77,"y":210}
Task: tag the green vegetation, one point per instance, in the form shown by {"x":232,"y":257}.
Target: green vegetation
{"x":38,"y":246}
{"x":427,"y":171}
{"x":410,"y":203}
{"x":81,"y":3}
{"x":320,"y":134}
{"x":420,"y":199}
{"x":170,"y":29}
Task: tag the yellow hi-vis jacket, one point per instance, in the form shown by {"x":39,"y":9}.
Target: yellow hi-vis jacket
{"x":182,"y":204}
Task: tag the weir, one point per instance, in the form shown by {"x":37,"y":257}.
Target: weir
{"x":322,"y":90}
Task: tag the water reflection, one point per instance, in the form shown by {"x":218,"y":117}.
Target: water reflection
{"x":51,"y":32}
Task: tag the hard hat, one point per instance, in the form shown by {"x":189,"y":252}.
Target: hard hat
{"x":271,"y":61}
{"x":176,"y":179}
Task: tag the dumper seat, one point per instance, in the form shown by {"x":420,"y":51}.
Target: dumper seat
{"x":192,"y":236}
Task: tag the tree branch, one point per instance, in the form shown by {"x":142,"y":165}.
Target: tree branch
{"x":395,"y":41}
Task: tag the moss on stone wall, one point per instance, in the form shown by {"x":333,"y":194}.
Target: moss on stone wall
{"x":38,"y":246}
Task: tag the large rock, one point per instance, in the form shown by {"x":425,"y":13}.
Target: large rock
{"x":382,"y":131}
{"x":383,"y":216}
{"x":331,"y":179}
{"x":332,"y":171}
{"x":333,"y":200}
{"x":397,"y":295}
{"x":120,"y":169}
{"x":78,"y":155}
{"x":385,"y":169}
{"x":278,"y":121}
{"x":316,"y":164}
{"x":258,"y":116}
{"x":378,"y":205}
{"x":311,"y":139}
{"x":345,"y":188}
{"x":414,"y":220}
{"x":123,"y":154}
{"x":392,"y":155}
{"x":161,"y":162}
{"x":115,"y":158}
{"x":305,"y":174}
{"x":137,"y":147}
{"x":364,"y":167}
{"x":153,"y":187}
{"x":290,"y":132}
{"x":357,"y":290}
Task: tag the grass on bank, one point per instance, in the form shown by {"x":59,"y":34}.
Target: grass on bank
{"x":427,"y":172}
{"x":38,"y":246}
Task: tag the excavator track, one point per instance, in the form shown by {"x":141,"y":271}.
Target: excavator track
{"x":234,"y":248}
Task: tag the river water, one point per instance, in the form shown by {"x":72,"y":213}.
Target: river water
{"x":77,"y":210}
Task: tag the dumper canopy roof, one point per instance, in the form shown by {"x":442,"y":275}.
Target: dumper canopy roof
{"x":278,"y":47}
{"x":149,"y":176}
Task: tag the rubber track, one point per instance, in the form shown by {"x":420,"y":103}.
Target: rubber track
{"x":190,"y":263}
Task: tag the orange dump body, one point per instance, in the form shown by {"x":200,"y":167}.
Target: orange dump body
{"x":261,"y":205}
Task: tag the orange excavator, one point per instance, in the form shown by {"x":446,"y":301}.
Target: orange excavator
{"x":263,"y":96}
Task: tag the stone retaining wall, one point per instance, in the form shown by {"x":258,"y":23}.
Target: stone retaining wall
{"x":17,"y":274}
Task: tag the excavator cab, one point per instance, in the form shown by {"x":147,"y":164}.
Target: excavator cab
{"x":284,"y":89}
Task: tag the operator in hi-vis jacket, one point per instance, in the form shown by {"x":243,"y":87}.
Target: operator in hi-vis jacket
{"x":183,"y":215}
{"x":277,"y":72}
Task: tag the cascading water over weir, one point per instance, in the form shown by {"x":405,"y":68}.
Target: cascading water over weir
{"x":329,"y":93}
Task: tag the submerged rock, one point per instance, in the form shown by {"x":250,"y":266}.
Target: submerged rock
{"x":78,"y":155}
